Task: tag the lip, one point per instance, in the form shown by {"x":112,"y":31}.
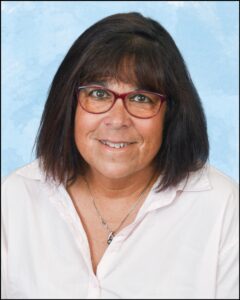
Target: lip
{"x":101,"y":141}
{"x":115,"y":142}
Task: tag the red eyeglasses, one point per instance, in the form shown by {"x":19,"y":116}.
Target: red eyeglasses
{"x":140,"y":104}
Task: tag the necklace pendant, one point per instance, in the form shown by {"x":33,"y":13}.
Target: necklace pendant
{"x":110,"y":238}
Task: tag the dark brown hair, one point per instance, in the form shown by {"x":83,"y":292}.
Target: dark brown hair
{"x":133,"y":49}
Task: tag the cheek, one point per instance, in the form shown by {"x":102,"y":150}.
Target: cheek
{"x":152,"y":135}
{"x":82,"y":128}
{"x":78,"y":128}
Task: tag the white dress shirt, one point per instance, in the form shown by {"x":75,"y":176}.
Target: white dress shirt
{"x":183,"y":243}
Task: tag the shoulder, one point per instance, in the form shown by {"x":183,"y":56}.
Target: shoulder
{"x":25,"y":192}
{"x":217,"y":176}
{"x":226,"y":197}
{"x":223,"y":196}
{"x":29,"y":172}
{"x":221,"y":183}
{"x":210,"y":179}
{"x":224,"y":189}
{"x":25,"y":181}
{"x":213,"y":187}
{"x":225,"y":193}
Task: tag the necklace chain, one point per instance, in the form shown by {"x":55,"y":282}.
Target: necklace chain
{"x":104,"y":223}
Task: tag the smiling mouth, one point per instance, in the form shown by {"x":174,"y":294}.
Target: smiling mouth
{"x":115,"y":145}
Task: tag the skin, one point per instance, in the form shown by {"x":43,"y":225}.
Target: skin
{"x":117,"y":168}
{"x":116,"y":176}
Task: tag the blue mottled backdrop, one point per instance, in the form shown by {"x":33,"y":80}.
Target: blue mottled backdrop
{"x":36,"y":36}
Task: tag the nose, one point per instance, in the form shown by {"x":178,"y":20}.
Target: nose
{"x":118,"y":116}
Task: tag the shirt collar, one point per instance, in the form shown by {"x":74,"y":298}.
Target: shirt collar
{"x":197,"y":181}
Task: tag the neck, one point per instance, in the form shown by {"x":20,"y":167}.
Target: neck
{"x":129,"y":187}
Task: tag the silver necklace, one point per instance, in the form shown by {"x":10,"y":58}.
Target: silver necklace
{"x":111,"y":233}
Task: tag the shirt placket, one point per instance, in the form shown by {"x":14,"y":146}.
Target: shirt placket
{"x":74,"y":224}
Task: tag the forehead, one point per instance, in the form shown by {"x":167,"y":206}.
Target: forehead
{"x":115,"y":85}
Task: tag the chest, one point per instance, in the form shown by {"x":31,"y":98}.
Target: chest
{"x":164,"y":258}
{"x":145,"y":266}
{"x":98,"y":234}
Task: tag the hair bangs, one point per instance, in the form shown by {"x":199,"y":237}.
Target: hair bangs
{"x":149,"y":69}
{"x":130,"y":60}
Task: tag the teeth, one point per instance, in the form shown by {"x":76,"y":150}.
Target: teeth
{"x":115,"y":145}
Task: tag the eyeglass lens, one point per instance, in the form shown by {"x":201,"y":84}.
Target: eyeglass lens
{"x":99,"y":100}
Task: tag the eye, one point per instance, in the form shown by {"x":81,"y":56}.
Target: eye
{"x":99,"y":93}
{"x":140,"y":98}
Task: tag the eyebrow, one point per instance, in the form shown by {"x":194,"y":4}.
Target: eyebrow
{"x":105,"y":84}
{"x":102,"y":83}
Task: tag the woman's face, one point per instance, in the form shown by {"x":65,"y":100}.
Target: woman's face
{"x":142,"y":137}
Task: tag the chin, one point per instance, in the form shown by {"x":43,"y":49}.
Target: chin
{"x":115,"y":172}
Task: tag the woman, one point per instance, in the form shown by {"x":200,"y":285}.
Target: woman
{"x":121,"y":202}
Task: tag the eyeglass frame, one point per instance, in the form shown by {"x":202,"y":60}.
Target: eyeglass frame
{"x":121,"y":96}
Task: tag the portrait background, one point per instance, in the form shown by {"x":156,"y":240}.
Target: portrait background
{"x":37,"y":35}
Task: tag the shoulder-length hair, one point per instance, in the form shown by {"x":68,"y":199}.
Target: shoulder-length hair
{"x":134,"y":49}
